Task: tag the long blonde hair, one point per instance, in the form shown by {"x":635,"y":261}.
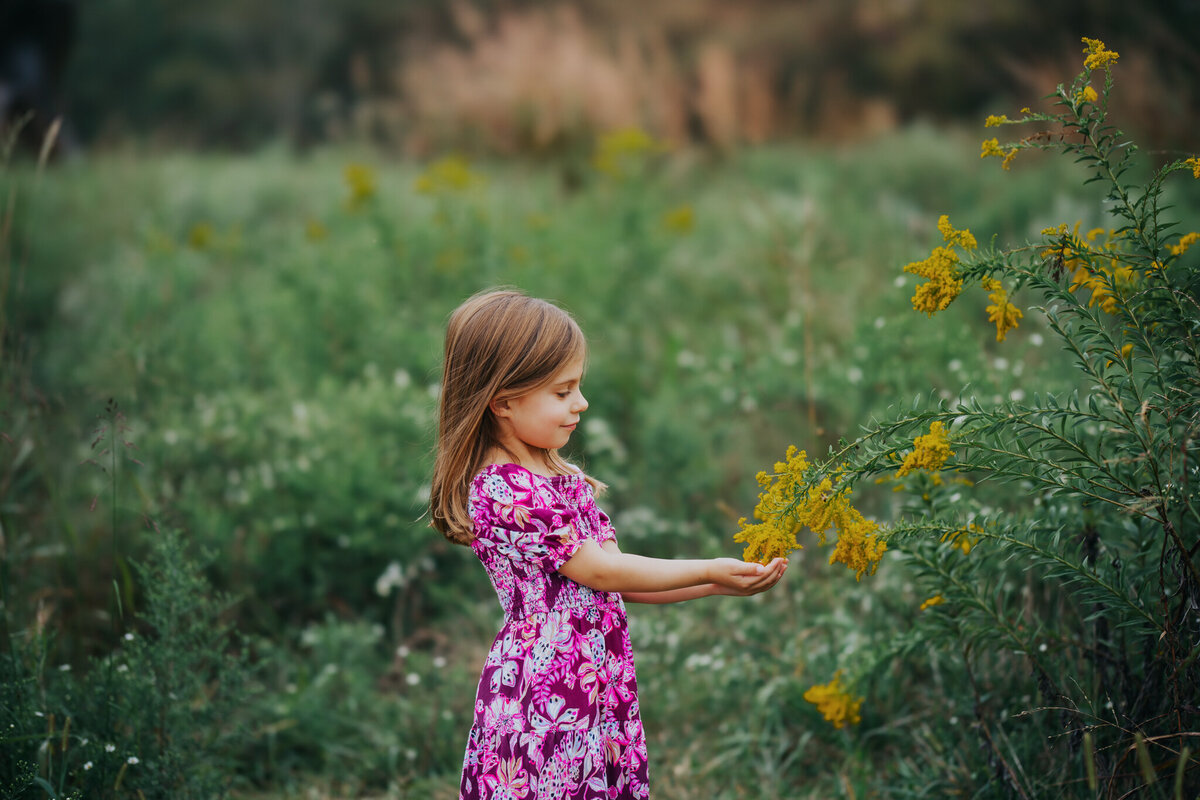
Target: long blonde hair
{"x":500,"y":344}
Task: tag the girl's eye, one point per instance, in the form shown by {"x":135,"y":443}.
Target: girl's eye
{"x":563,"y":395}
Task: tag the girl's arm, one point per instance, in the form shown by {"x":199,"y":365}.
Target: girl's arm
{"x":672,"y":595}
{"x":610,"y":570}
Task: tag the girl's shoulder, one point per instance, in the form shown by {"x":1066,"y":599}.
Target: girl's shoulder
{"x":501,"y":479}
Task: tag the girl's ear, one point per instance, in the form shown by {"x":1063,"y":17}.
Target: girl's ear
{"x":500,"y":408}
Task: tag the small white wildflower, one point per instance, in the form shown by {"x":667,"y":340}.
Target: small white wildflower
{"x":88,"y":766}
{"x":38,"y":714}
{"x":299,"y":412}
{"x":955,"y":365}
{"x":402,"y":379}
{"x":392,"y":578}
{"x":1042,"y":647}
{"x":410,"y":754}
{"x":1000,"y":363}
{"x":439,"y":662}
{"x":434,"y":390}
{"x":854,"y":374}
{"x":122,"y":668}
{"x":789,"y":357}
{"x":899,"y":281}
{"x":880,"y":322}
{"x":423,"y":492}
{"x":412,"y":679}
{"x":129,"y":637}
{"x":131,"y":760}
{"x":687,"y":359}
{"x":1016,"y":395}
{"x":110,"y":748}
{"x":402,"y":651}
{"x":1036,"y":339}
{"x":748,"y":403}
{"x":953,"y":720}
{"x":64,"y":667}
{"x":170,"y":437}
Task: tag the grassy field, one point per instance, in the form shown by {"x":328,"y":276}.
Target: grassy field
{"x":270,"y":329}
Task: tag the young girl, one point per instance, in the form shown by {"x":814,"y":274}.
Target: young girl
{"x":556,"y":713}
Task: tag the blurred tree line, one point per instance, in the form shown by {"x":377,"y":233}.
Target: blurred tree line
{"x":520,"y":75}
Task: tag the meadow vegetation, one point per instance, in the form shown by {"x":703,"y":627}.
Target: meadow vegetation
{"x":217,"y":418}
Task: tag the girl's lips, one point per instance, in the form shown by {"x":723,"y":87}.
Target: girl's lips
{"x":571,"y":427}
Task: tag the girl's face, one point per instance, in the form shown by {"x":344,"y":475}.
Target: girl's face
{"x":545,"y":418}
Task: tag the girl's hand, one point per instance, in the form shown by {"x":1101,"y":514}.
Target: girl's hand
{"x":744,"y":578}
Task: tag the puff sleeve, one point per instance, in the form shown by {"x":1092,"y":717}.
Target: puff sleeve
{"x":519,"y":519}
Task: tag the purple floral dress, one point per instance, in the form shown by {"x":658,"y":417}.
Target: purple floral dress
{"x":556,"y":713}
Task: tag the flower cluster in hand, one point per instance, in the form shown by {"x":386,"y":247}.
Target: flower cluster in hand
{"x":790,"y":501}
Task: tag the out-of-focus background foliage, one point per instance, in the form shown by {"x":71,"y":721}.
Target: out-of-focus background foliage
{"x":531,"y":76}
{"x":248,"y":237}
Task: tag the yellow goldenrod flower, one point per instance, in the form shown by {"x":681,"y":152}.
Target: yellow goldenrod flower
{"x":617,"y":149}
{"x":929,"y":451}
{"x":314,"y":231}
{"x":1126,"y":349}
{"x":936,"y":600}
{"x":789,"y":503}
{"x":1001,"y":312}
{"x":1087,"y":95}
{"x":857,"y":546}
{"x":1104,"y":283}
{"x":962,"y":539}
{"x":448,"y":175}
{"x":944,"y":280}
{"x":360,"y":179}
{"x":1186,"y":241}
{"x":991,"y":147}
{"x":1026,"y":110}
{"x":1194,"y":163}
{"x":775,"y":533}
{"x":994,"y":121}
{"x":836,"y":704}
{"x":1098,"y":56}
{"x":200,"y":237}
{"x":679,"y":220}
{"x":963,"y":238}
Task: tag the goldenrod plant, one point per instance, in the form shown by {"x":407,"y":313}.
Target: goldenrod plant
{"x":1071,"y":613}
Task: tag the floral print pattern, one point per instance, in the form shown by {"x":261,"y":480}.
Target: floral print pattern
{"x":556,"y":712}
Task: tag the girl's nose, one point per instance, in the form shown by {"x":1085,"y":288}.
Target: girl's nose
{"x":581,"y":403}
